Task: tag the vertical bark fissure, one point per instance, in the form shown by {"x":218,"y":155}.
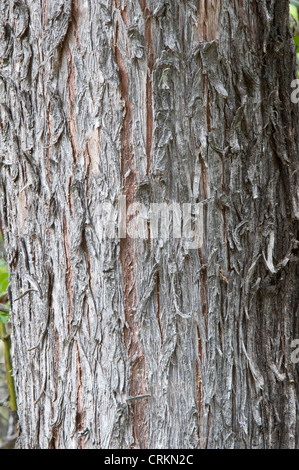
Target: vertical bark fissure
{"x":128,"y":260}
{"x":80,"y":400}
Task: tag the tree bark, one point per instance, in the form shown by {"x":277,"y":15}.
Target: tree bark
{"x":161,"y":102}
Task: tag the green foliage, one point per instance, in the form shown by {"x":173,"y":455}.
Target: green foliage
{"x":5,"y":337}
{"x":294,"y":12}
{"x":4,"y":279}
{"x":4,"y":317}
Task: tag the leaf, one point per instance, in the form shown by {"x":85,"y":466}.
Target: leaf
{"x":294,"y":11}
{"x":4,"y":277}
{"x":4,"y":317}
{"x":3,"y":282}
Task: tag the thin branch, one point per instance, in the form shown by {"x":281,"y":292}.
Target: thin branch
{"x":25,"y":293}
{"x":137,"y":398}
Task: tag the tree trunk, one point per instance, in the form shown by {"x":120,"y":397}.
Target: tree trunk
{"x":185,"y":102}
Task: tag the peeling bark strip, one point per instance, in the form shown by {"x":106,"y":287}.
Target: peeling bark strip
{"x":68,"y":274}
{"x":128,"y":260}
{"x":144,"y":343}
{"x":126,"y":137}
{"x":72,"y":94}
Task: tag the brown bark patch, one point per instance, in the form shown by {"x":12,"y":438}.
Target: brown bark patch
{"x":208,"y":17}
{"x":124,"y":13}
{"x":44,"y":14}
{"x":92,"y":150}
{"x":126,"y":160}
{"x":76,"y":13}
{"x":240,"y":11}
{"x":22,"y":211}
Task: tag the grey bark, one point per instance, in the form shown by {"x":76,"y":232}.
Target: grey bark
{"x":162,"y":101}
